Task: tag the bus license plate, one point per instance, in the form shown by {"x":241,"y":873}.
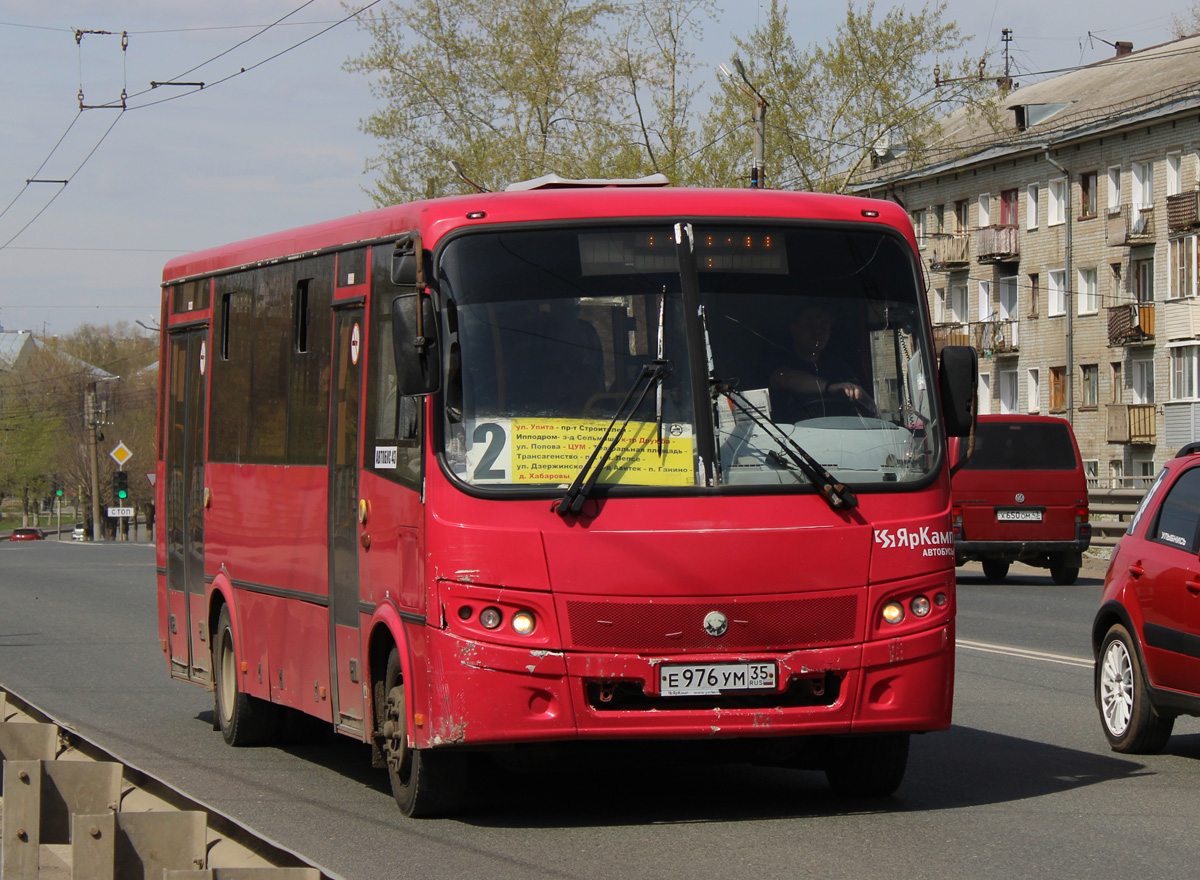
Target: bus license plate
{"x":708,"y":679}
{"x":1018,"y":516}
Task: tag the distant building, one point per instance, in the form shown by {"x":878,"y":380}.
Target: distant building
{"x":16,"y":348}
{"x":1063,"y":244}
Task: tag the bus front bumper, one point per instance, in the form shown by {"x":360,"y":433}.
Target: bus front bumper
{"x":491,"y":694}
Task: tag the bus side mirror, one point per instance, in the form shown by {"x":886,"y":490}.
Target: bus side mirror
{"x":415,"y":344}
{"x":958,"y":379}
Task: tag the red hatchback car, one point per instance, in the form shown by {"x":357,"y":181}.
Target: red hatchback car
{"x":26,"y":535}
{"x":1146,"y":635}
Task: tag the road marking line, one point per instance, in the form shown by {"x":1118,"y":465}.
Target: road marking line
{"x":1025,"y":653}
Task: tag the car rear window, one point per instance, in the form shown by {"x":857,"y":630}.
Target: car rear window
{"x":1021,"y":446}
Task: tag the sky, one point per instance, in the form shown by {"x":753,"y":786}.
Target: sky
{"x":279,"y":145}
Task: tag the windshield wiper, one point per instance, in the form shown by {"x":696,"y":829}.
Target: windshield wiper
{"x":571,"y":503}
{"x":838,"y":496}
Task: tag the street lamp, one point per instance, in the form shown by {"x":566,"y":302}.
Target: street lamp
{"x":760,"y":120}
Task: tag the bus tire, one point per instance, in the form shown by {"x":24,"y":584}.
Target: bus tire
{"x":868,"y":765}
{"x":243,"y":720}
{"x":425,"y":782}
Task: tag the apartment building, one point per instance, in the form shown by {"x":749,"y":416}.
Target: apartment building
{"x":1061,"y":241}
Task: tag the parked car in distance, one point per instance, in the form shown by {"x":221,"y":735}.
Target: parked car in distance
{"x":77,"y":533}
{"x":1021,"y":496}
{"x":26,"y":535}
{"x":1146,"y":635}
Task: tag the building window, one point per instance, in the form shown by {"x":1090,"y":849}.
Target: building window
{"x":1058,"y":389}
{"x":1118,"y":391}
{"x":919,"y":229}
{"x":939,"y":305}
{"x":1033,"y":390}
{"x":1142,"y":380}
{"x":1035,"y":294}
{"x":1089,"y":298}
{"x":1143,"y":185}
{"x":937,"y":223}
{"x":1087,"y":195}
{"x":1114,"y":189}
{"x":1116,"y":473}
{"x":961,"y":216}
{"x":958,"y":304}
{"x":985,"y":209}
{"x":1056,"y":211}
{"x":1058,"y":293}
{"x":986,"y":313}
{"x":1183,"y":372}
{"x":1008,"y":392}
{"x":1091,"y":471}
{"x":1089,"y":376}
{"x":1031,"y":206}
{"x":1174,"y":178}
{"x":1008,"y":207}
{"x":1183,"y":267}
{"x":1143,"y":280}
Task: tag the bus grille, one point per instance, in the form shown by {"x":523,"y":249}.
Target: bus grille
{"x":781,"y":624}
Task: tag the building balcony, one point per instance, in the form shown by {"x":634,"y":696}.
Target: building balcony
{"x":1181,"y":318}
{"x":997,"y":337}
{"x":950,"y":334}
{"x":949,"y":250}
{"x":1130,"y":226}
{"x":1131,"y":323}
{"x":997,"y":244}
{"x":1183,"y":212}
{"x":1131,"y":423}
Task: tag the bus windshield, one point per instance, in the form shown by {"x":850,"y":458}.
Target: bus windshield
{"x":763,"y":338}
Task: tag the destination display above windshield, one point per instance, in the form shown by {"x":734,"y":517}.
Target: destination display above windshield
{"x":539,"y":451}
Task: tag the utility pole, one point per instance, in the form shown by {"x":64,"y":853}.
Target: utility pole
{"x":758,"y":166}
{"x":91,"y":419}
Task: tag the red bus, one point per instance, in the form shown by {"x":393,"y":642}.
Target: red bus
{"x":565,"y":463}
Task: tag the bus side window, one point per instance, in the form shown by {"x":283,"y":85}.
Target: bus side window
{"x":393,"y":421}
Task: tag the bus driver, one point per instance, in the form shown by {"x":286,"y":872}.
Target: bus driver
{"x":812,"y":381}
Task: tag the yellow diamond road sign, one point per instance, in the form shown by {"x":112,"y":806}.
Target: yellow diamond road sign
{"x":121,"y":454}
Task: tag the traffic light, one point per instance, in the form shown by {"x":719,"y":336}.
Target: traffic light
{"x":120,"y":485}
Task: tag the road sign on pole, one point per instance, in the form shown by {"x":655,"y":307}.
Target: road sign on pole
{"x":121,"y":454}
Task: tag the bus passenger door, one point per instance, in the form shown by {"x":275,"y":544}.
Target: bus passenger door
{"x":188,"y":353}
{"x":346,"y":676}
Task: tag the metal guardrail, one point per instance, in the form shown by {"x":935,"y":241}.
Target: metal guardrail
{"x":1111,"y":511}
{"x":70,"y":809}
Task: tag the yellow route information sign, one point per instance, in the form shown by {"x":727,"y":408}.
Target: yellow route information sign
{"x":533,"y":451}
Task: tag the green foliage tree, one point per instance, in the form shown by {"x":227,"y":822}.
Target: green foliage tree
{"x":44,"y":435}
{"x":515,"y":89}
{"x":831,"y":105}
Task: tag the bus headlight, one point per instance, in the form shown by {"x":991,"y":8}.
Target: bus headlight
{"x":893,"y":612}
{"x":490,"y":617}
{"x":523,"y":623}
{"x":920,"y":606}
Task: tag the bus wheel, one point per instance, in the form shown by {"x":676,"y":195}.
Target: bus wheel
{"x":242,"y":719}
{"x":995,"y":570}
{"x":867,"y":766}
{"x":1062,"y":574}
{"x":425,"y":782}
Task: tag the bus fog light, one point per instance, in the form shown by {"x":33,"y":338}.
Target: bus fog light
{"x":464,"y":612}
{"x":523,"y":622}
{"x":920,"y":606}
{"x":490,"y":617}
{"x":893,"y":612}
{"x":940,"y":599}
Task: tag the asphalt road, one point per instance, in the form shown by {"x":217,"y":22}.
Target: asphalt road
{"x":1023,"y":785}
